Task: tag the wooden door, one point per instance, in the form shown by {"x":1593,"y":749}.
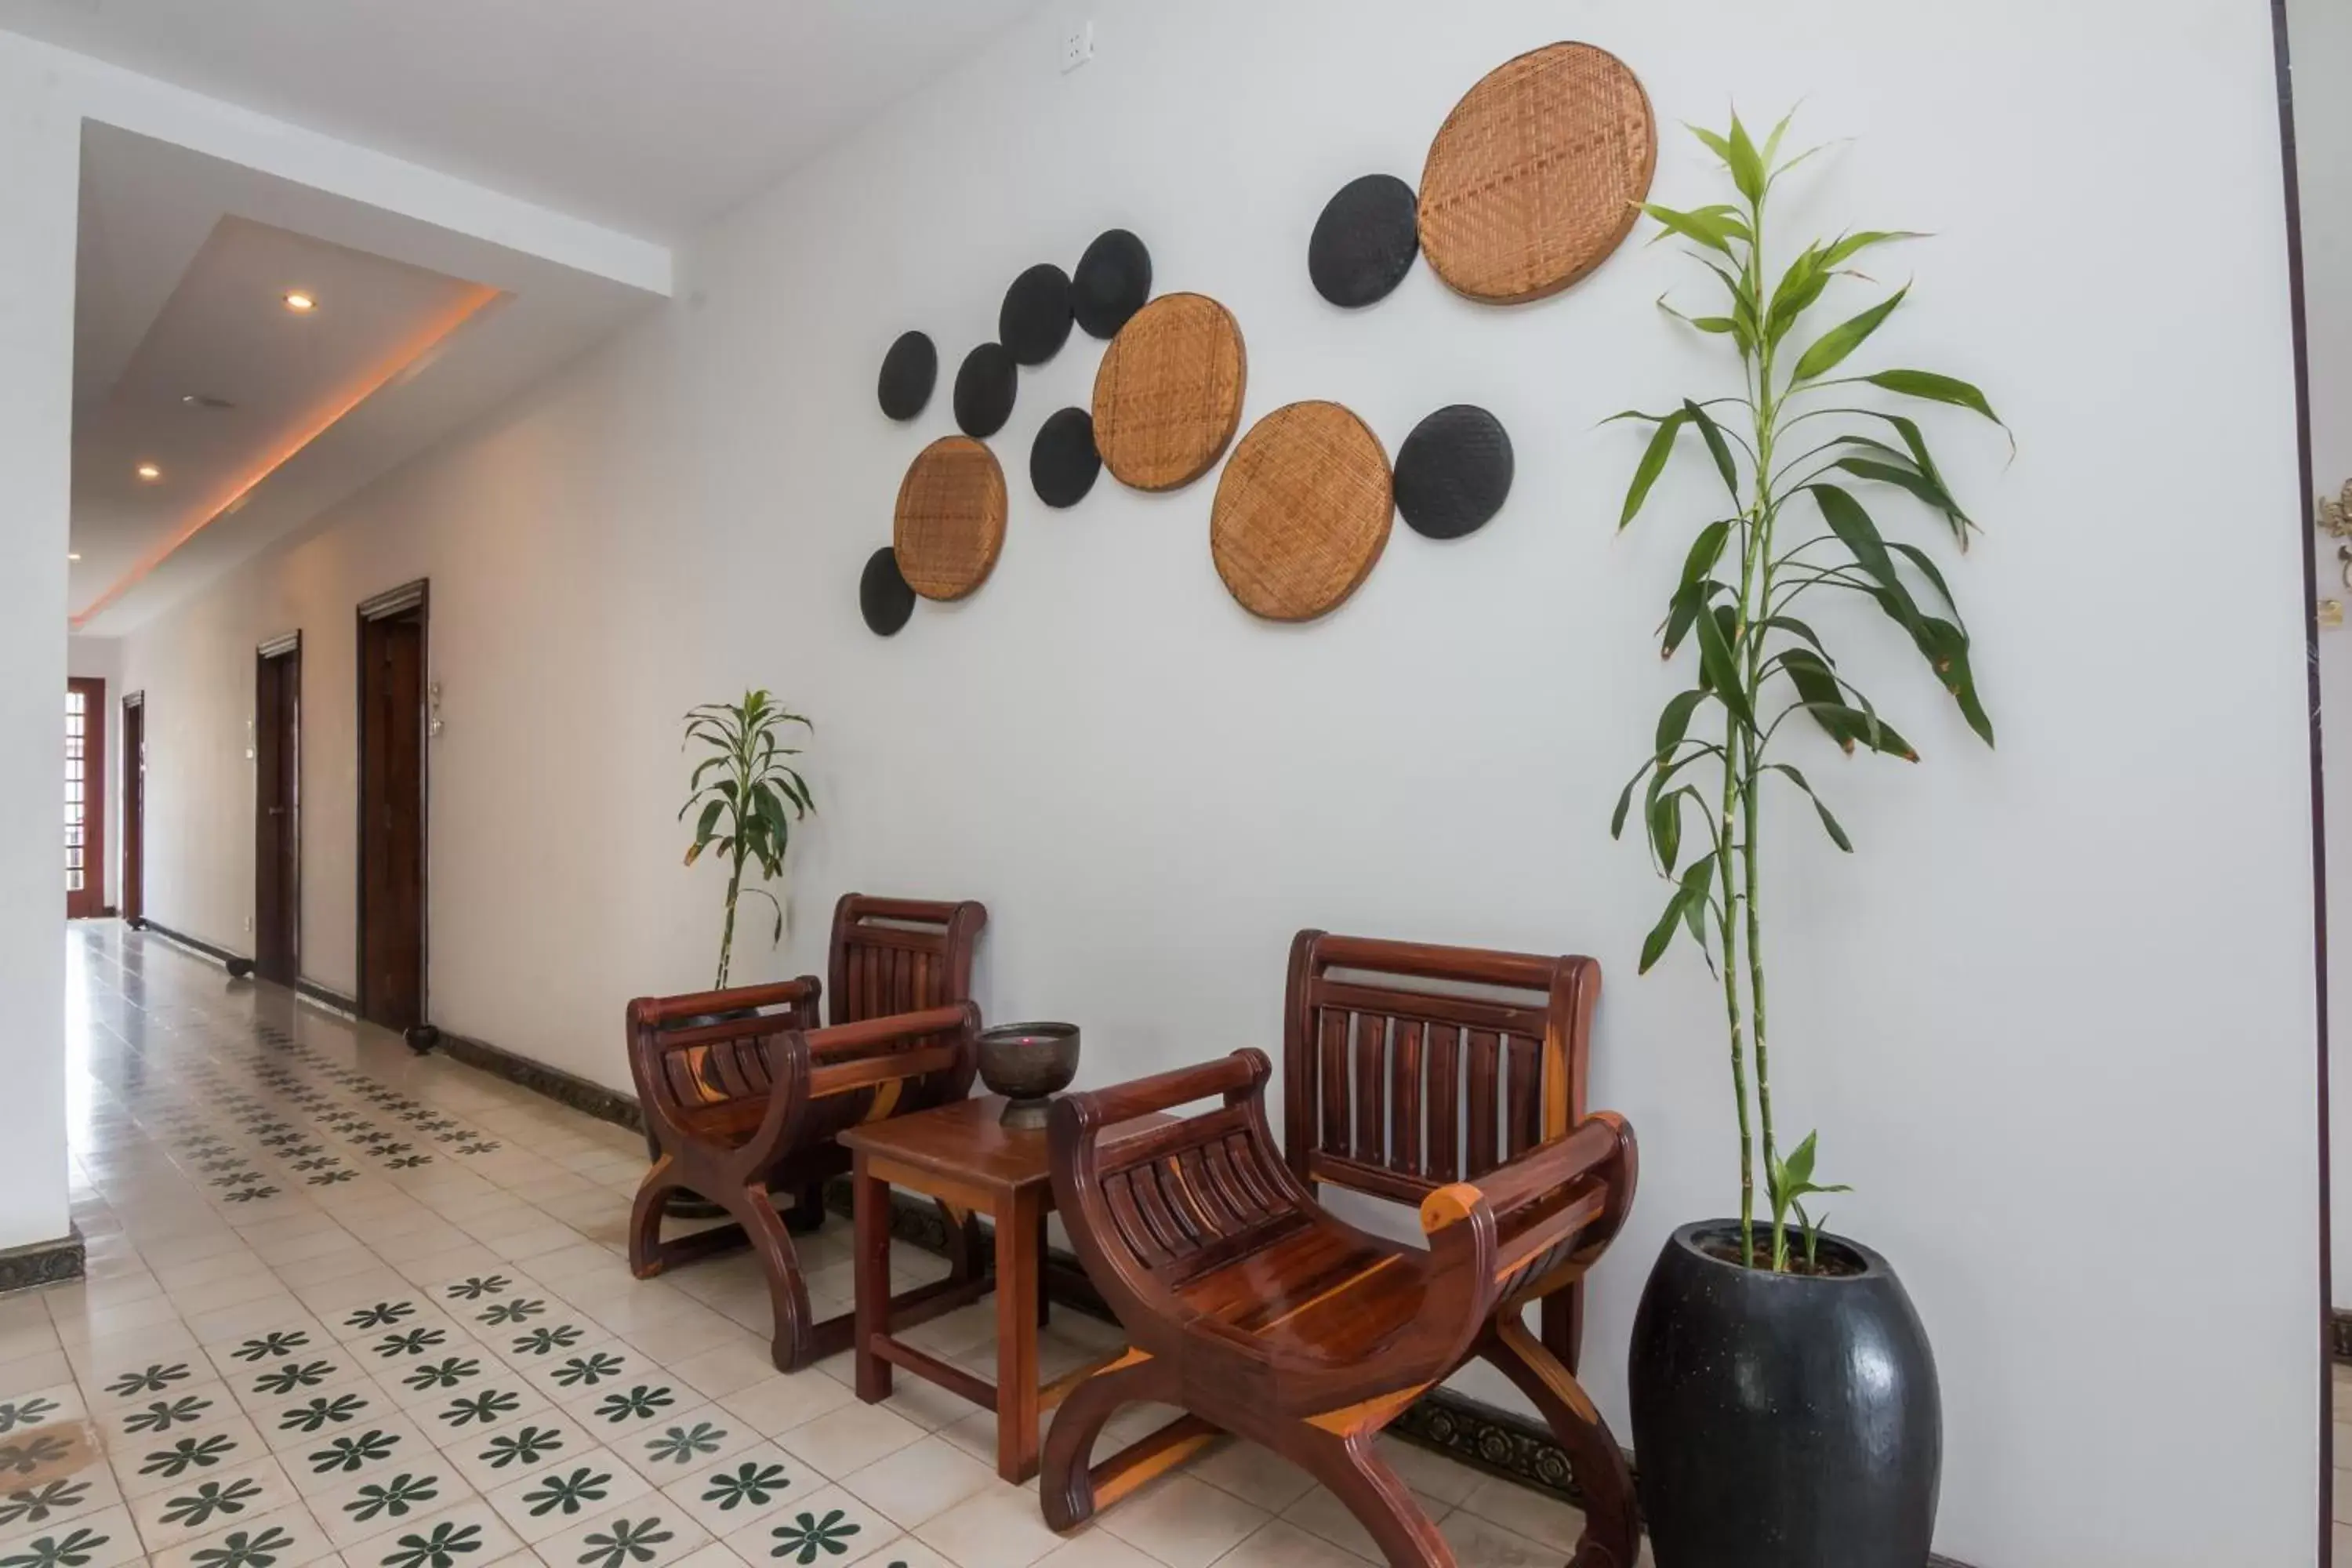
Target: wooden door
{"x":85,"y":797}
{"x":134,"y":807}
{"x":277,"y":818}
{"x":392,"y":816}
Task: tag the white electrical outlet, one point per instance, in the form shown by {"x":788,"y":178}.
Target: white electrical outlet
{"x":249,"y":925}
{"x":1077,"y":44}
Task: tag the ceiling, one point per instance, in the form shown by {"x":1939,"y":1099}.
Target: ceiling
{"x":648,"y":117}
{"x":184,"y":265}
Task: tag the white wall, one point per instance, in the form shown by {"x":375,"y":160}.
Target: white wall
{"x":103,"y":658}
{"x":39,"y":148}
{"x":2321,"y":35}
{"x":2063,"y":989}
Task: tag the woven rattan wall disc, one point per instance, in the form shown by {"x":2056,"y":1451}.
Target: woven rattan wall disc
{"x":950,"y":519}
{"x":1168,"y":395}
{"x":1302,"y":513}
{"x":1532,"y":180}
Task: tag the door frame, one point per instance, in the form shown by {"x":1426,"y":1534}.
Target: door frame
{"x":130,"y":896}
{"x":90,"y":903}
{"x":394,"y":604}
{"x":285,"y":645}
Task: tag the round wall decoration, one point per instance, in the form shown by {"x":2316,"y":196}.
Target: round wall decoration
{"x":983,"y":390}
{"x":1168,"y":395}
{"x":1302,"y":513}
{"x":1364,"y":243}
{"x":909,"y":370}
{"x":883,"y":595}
{"x":1063,"y":462}
{"x":949,"y":524}
{"x":1112,"y":283}
{"x":1034,"y":321}
{"x":1532,"y":180}
{"x":1454,"y":472}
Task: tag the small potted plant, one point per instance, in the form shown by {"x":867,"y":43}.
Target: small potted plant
{"x":744,"y":795}
{"x":1785,"y":1406}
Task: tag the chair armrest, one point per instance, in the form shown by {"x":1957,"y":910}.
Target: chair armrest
{"x":855,"y":1056}
{"x":1236,"y":1076}
{"x":1598,"y":1150}
{"x":659,"y":1015}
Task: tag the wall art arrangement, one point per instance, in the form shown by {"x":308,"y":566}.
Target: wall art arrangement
{"x":1533,"y":180}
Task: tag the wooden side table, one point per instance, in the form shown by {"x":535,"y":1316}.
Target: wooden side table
{"x":959,"y":1154}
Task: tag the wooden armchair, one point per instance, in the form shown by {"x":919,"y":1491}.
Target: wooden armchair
{"x":1394,"y":1090}
{"x":1260,"y":1315}
{"x":743,"y":1095}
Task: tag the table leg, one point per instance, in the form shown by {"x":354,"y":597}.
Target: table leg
{"x":1045,"y":1301}
{"x":872,"y":1205}
{"x":1017,"y":1265}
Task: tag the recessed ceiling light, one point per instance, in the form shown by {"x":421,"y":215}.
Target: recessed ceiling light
{"x":206,"y":400}
{"x":149,"y":472}
{"x":298,"y":302}
{"x":73,"y":554}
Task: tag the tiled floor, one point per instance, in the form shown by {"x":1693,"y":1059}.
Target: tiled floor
{"x":347,"y":1306}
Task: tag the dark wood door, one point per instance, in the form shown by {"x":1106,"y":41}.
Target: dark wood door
{"x":277,"y":818}
{"x":134,"y":807}
{"x":392,"y":819}
{"x":85,"y":786}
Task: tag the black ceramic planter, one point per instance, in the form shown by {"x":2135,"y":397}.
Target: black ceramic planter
{"x":1783,"y":1421}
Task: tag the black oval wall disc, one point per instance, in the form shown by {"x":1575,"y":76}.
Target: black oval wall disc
{"x":1365,"y":241}
{"x":1062,"y":463}
{"x":1454,"y":472}
{"x":1034,"y":321}
{"x":883,"y":595}
{"x":909,"y":370}
{"x":983,"y":391}
{"x":1112,"y":283}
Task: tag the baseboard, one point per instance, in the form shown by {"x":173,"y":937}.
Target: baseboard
{"x":581,"y":1095}
{"x":194,"y":945}
{"x":42,"y":1262}
{"x":333,"y":1001}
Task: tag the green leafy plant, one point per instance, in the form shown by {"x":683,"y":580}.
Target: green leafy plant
{"x":748,"y":796}
{"x":1795,"y":450}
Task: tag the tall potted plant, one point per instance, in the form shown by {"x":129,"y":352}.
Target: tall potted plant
{"x":1785,"y":1405}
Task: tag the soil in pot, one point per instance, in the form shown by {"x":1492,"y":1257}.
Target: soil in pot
{"x":1783,"y":1420}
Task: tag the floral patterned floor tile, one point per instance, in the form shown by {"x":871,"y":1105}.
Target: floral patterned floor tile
{"x":158,"y":1460}
{"x":196,"y":1507}
{"x":461,"y":1537}
{"x":461,"y":1416}
{"x":389,"y":1497}
{"x":290,"y":1538}
{"x":830,"y":1529}
{"x":107,"y":1540}
{"x":297,"y":1422}
{"x":649,"y":1534}
{"x":333,"y":1461}
{"x":726,"y":1495}
{"x":553,"y":1500}
{"x":620,"y":1408}
{"x":53,"y":1504}
{"x":670,"y":1450}
{"x":524,"y":1446}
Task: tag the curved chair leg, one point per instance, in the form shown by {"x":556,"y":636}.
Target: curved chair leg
{"x":645,"y":1218}
{"x":807,"y":1212}
{"x":1378,"y":1497}
{"x":794,"y":1345}
{"x":1066,"y":1482}
{"x":1612,"y":1528}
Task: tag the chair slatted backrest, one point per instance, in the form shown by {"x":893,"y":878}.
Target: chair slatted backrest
{"x":900,"y":955}
{"x":1394,"y":1087}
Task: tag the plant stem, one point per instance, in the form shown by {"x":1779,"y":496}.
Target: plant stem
{"x":726,"y":934}
{"x":1767,"y":407}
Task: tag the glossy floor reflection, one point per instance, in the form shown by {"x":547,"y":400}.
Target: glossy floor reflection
{"x":347,"y":1305}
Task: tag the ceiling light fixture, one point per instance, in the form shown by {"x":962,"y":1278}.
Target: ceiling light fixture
{"x":299,"y":302}
{"x":73,"y":554}
{"x":149,"y":472}
{"x":206,"y":400}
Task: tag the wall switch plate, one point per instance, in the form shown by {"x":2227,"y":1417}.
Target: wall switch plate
{"x":249,"y":925}
{"x":1077,"y":44}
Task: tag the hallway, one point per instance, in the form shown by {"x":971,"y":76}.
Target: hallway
{"x":347,"y":1305}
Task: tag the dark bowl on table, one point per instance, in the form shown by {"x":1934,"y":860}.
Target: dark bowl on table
{"x":1028,"y":1064}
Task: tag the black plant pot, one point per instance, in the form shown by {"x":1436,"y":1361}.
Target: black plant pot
{"x":1783,"y":1421}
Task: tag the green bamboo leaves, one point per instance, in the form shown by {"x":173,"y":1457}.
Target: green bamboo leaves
{"x":749,"y":796}
{"x":1804,"y":474}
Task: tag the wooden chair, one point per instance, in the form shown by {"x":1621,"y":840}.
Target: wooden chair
{"x":745,"y":1094}
{"x":1260,"y":1315}
{"x":1394,"y":1090}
